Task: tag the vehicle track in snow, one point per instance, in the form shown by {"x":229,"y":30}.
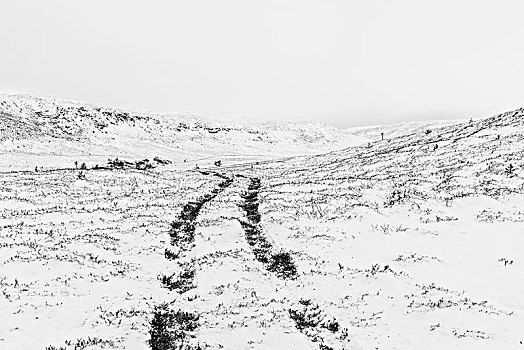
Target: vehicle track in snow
{"x":281,"y":263}
{"x":309,"y":318}
{"x":234,"y":286}
{"x":171,"y":328}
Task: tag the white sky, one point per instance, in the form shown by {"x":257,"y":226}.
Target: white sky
{"x":344,"y":62}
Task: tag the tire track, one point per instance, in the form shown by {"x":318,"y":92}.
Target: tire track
{"x":279,"y":262}
{"x":199,"y":321}
{"x":176,"y":329}
{"x":307,"y":316}
{"x":239,"y":302}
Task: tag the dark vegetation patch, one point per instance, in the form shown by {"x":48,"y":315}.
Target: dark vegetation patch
{"x":182,"y":230}
{"x":182,"y":281}
{"x":170,"y":255}
{"x":173,"y":329}
{"x":307,"y":316}
{"x":81,"y":344}
{"x":141,"y":164}
{"x":280,"y":263}
{"x":312,"y":321}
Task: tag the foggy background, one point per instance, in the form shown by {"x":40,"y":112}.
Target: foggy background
{"x":346,"y":63}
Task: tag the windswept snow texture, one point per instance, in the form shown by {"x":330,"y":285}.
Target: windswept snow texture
{"x":413,"y":242}
{"x":51,"y":133}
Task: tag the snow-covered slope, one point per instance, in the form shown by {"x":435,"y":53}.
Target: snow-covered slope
{"x":59,"y":129}
{"x":414,"y":242}
{"x":374,"y":132}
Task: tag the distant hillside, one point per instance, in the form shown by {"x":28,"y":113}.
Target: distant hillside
{"x":32,"y":127}
{"x":373,"y":132}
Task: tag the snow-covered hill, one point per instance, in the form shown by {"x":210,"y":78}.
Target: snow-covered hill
{"x":374,"y":132}
{"x":413,"y":242}
{"x":31,"y":127}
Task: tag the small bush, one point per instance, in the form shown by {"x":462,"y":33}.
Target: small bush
{"x":162,"y":161}
{"x":282,"y":264}
{"x":510,"y":170}
{"x":171,"y":329}
{"x":308,"y":317}
{"x":332,"y":325}
{"x":143,"y":164}
{"x":396,"y":196}
{"x":168,"y":254}
{"x":182,"y":282}
{"x":116,"y":163}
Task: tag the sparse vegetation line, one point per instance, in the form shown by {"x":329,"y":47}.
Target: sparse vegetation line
{"x":172,"y":329}
{"x":176,"y":329}
{"x":281,"y":263}
{"x":182,"y":230}
{"x":314,"y":323}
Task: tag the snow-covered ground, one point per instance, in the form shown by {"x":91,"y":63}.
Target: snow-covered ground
{"x":414,"y":242}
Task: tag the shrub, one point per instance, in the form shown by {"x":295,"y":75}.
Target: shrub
{"x":143,"y":164}
{"x":182,"y":282}
{"x":308,"y":317}
{"x":171,"y":329}
{"x":116,"y":163}
{"x":282,"y":264}
{"x":397,"y":195}
{"x":168,"y":254}
{"x":332,"y":325}
{"x":162,"y":161}
{"x":510,"y":170}
{"x":325,"y":347}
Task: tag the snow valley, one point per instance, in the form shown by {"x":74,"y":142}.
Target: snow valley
{"x":210,"y":233}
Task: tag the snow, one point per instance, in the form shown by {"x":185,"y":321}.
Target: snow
{"x":49,"y":133}
{"x":397,"y":244}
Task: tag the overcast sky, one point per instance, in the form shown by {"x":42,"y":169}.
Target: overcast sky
{"x":347,"y":63}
